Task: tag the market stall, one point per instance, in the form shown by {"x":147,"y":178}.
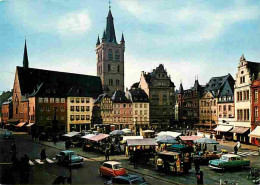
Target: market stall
{"x":189,"y":139}
{"x":98,"y":142}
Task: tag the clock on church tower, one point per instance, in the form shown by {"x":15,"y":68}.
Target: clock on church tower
{"x":110,"y":58}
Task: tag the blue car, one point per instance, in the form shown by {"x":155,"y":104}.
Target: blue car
{"x":8,"y":135}
{"x":127,"y":179}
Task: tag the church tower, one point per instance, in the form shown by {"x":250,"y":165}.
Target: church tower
{"x":110,"y":58}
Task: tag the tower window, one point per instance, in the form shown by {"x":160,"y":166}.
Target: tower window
{"x":110,"y":55}
{"x":117,"y":56}
{"x":118,"y":69}
{"x":109,"y":67}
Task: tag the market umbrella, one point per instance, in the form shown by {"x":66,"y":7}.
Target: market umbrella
{"x":206,"y":140}
{"x":127,"y":131}
{"x":166,"y":139}
{"x":117,"y":133}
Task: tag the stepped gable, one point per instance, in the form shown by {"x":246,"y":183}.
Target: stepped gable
{"x":60,"y":84}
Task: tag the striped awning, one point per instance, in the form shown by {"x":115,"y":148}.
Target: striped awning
{"x":223,"y":128}
{"x":240,"y":130}
{"x":255,"y":133}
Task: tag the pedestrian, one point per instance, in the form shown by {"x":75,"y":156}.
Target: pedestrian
{"x":199,"y":176}
{"x":135,"y":158}
{"x":211,"y":136}
{"x":215,"y":149}
{"x":197,"y":165}
{"x":24,"y":169}
{"x":43,"y":154}
{"x":235,"y":149}
{"x":107,"y":154}
{"x":238,"y":145}
{"x":13,"y":147}
{"x":159,"y":163}
{"x":112,"y":149}
{"x":223,"y":139}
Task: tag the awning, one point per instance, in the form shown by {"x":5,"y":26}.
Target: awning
{"x":169,"y":133}
{"x":240,"y":130}
{"x":13,"y":120}
{"x":223,"y":128}
{"x":125,"y":138}
{"x":142,"y":142}
{"x":88,"y":136}
{"x":168,"y":153}
{"x":255,"y":133}
{"x":148,"y":131}
{"x":190,"y":138}
{"x":30,"y":124}
{"x":70,"y":134}
{"x":21,"y":124}
{"x":99,"y":137}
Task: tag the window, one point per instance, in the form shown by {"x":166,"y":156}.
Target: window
{"x":256,"y":95}
{"x":224,"y":108}
{"x":136,"y":105}
{"x":240,"y":96}
{"x":41,"y":108}
{"x":219,"y":108}
{"x":48,"y":108}
{"x":141,"y":105}
{"x":229,"y":108}
{"x":256,"y":112}
{"x":45,"y":100}
{"x":72,"y":100}
{"x":247,"y":94}
{"x":77,"y":100}
{"x":145,"y":105}
{"x":145,"y":112}
{"x":82,"y":117}
{"x":62,"y":109}
{"x":87,"y":108}
{"x":71,"y":108}
{"x":41,"y":117}
{"x":108,"y":67}
{"x":82,"y":100}
{"x":62,"y":100}
{"x":77,"y":108}
{"x":77,"y":117}
{"x":136,"y":112}
{"x":124,"y":105}
{"x":110,"y":55}
{"x":87,"y":100}
{"x":82,"y":108}
{"x":51,"y":100}
{"x":118,"y":69}
{"x":62,"y":117}
{"x":48,"y":118}
{"x":117,"y":56}
{"x":87,"y":117}
{"x":244,"y":93}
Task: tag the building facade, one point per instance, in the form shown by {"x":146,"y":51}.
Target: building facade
{"x":6,"y":111}
{"x":106,"y":109}
{"x":161,"y":93}
{"x":110,"y":58}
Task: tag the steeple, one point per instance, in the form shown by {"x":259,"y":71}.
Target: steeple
{"x":110,"y":30}
{"x":122,"y":38}
{"x":98,"y":41}
{"x":25,"y":57}
{"x":181,"y":88}
{"x":104,"y":36}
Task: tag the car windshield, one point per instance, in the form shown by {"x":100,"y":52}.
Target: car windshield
{"x":139,"y":180}
{"x":224,"y":158}
{"x":117,"y":166}
{"x":74,"y":155}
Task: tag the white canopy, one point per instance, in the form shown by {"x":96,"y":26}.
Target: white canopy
{"x":169,"y":133}
{"x":125,"y":138}
{"x":70,"y":134}
{"x":88,"y":136}
{"x":255,"y":133}
{"x":223,"y":128}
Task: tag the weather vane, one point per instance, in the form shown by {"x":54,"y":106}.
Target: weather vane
{"x":109,"y":2}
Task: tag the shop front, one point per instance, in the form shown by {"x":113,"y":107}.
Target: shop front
{"x":241,"y":134}
{"x":255,"y":136}
{"x":224,"y":130}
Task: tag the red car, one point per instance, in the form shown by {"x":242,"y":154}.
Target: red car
{"x":112,"y":169}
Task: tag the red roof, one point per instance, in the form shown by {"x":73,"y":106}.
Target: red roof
{"x":98,"y":137}
{"x":190,"y":138}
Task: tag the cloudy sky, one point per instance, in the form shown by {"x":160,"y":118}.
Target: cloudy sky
{"x":190,"y":37}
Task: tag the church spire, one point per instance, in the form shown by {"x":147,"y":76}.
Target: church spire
{"x":110,"y":30}
{"x":98,"y":41}
{"x":25,"y":57}
{"x":122,"y":38}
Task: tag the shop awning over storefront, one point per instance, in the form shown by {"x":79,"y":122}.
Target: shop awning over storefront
{"x":98,"y":137}
{"x":223,"y":128}
{"x":21,"y":124}
{"x":190,"y":138}
{"x":255,"y":133}
{"x":30,"y":124}
{"x":70,"y":134}
{"x":240,"y":130}
{"x":142,"y":142}
{"x":88,"y":136}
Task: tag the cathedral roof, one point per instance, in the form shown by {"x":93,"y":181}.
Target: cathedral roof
{"x":39,"y":82}
{"x":110,"y":30}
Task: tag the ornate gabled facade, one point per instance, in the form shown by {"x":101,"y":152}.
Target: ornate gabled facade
{"x":160,"y":90}
{"x":188,"y":108}
{"x":105,"y":104}
{"x":110,"y":58}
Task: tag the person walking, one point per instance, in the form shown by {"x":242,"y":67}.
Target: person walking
{"x":107,"y":152}
{"x":215,"y":149}
{"x":238,"y":145}
{"x":135,"y":158}
{"x":235,"y":149}
{"x":197,"y":165}
{"x":159,"y":163}
{"x":223,"y":139}
{"x":43,"y":154}
{"x":199,"y":176}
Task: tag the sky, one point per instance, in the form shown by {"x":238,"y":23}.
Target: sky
{"x":203,"y":38}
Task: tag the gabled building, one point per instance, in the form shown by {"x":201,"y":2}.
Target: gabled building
{"x":105,"y":104}
{"x":160,"y":90}
{"x":140,"y":108}
{"x":122,"y":110}
{"x":6,"y":111}
{"x":110,"y":58}
{"x":189,"y":104}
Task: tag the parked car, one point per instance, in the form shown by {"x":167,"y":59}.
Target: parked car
{"x":8,"y":135}
{"x":127,"y":179}
{"x":229,"y":161}
{"x":65,"y":156}
{"x":111,"y":168}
